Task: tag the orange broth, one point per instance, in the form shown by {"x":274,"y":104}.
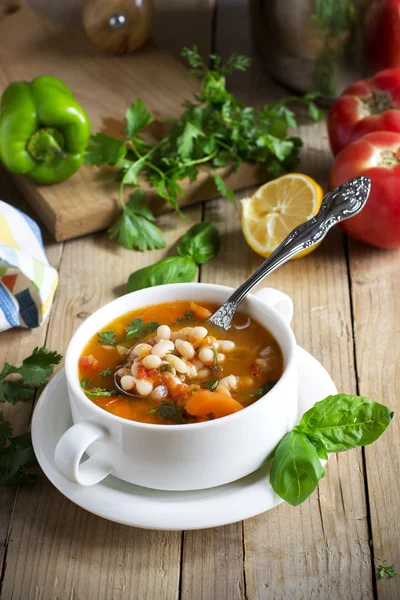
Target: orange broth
{"x":255,"y":361}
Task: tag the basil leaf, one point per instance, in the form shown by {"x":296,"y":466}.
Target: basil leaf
{"x":296,"y":468}
{"x":344,"y":421}
{"x":174,"y":269}
{"x":201,"y":243}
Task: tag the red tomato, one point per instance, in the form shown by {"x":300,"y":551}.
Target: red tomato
{"x":141,"y":372}
{"x":382,"y":34}
{"x":88,"y":363}
{"x":376,"y":155}
{"x":367,"y":105}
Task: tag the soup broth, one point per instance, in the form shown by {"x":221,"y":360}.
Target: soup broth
{"x":178,"y":367}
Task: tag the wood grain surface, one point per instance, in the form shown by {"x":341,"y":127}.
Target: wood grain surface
{"x":347,"y":314}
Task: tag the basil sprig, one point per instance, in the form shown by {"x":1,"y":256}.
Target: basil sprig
{"x":198,"y":245}
{"x":336,"y":424}
{"x":201,"y":243}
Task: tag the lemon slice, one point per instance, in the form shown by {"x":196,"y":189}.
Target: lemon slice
{"x":276,"y":208}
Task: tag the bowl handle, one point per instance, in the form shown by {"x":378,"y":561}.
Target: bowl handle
{"x":278,"y":301}
{"x":70,"y":449}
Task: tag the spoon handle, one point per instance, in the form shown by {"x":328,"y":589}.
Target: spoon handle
{"x":339,"y":204}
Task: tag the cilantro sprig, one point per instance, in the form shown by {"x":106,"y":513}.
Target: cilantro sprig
{"x":215,"y":130}
{"x":16,"y":452}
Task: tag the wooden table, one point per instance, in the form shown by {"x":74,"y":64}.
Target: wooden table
{"x":347,"y":314}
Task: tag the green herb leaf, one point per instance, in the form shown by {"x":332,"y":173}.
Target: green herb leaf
{"x":135,"y":228}
{"x":211,"y":384}
{"x":107,"y":337}
{"x":390,"y":571}
{"x":186,"y":140}
{"x":169,"y":411}
{"x":166,"y":368}
{"x":35,"y":369}
{"x":200,"y":243}
{"x":261,"y":391}
{"x":106,"y":372}
{"x":15,"y":391}
{"x":16,"y":456}
{"x":344,"y":421}
{"x":104,"y":150}
{"x":97,"y":392}
{"x":174,"y":269}
{"x":138,"y":330}
{"x":189,"y":314}
{"x":223,"y":190}
{"x":137,"y":118}
{"x":296,"y":468}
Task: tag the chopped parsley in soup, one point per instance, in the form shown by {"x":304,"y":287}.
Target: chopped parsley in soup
{"x":178,"y":367}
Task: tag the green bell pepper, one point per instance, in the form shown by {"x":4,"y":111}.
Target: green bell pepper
{"x":43,"y":130}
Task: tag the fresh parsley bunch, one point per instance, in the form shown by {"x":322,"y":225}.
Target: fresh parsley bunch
{"x":215,"y":130}
{"x":16,"y":452}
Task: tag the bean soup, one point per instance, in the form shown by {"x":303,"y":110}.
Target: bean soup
{"x":177,"y":367}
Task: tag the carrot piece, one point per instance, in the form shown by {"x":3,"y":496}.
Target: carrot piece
{"x":200,"y":311}
{"x":205,"y":402}
{"x":88,"y":363}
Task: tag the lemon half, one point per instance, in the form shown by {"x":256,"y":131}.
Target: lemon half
{"x":276,"y":208}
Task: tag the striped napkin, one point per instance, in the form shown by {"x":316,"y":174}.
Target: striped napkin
{"x":27,"y":281}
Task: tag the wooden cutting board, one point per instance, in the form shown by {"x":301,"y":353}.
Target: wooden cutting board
{"x":105,"y":85}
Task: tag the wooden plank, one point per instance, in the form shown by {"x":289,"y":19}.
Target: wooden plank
{"x":212,"y":564}
{"x":376,"y":298}
{"x":57,"y":549}
{"x":14,"y":347}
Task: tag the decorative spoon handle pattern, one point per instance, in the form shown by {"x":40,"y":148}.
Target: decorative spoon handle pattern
{"x":339,"y":204}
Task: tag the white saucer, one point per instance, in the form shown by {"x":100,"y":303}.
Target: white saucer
{"x":130,"y":504}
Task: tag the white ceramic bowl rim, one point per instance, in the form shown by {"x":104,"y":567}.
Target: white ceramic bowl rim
{"x":71,"y":365}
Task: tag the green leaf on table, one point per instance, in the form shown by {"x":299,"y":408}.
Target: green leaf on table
{"x":200,"y":243}
{"x":15,"y":391}
{"x":16,"y":455}
{"x":104,"y":150}
{"x":345,"y":421}
{"x":137,"y":118}
{"x":186,"y":140}
{"x":173,"y":269}
{"x":135,"y":228}
{"x":389,"y":571}
{"x":35,"y":369}
{"x":221,"y":187}
{"x":296,"y":468}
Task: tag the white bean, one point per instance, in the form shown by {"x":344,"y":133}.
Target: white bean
{"x":159,"y":392}
{"x":197,"y":363}
{"x":186,"y":331}
{"x":144,"y":387}
{"x":127,"y":382}
{"x":164,"y":332}
{"x":225,"y":345}
{"x":162,"y":348}
{"x":142,"y":350}
{"x":177,"y":363}
{"x":185,"y":349}
{"x":222,"y":389}
{"x":206,"y":355}
{"x":191,"y":371}
{"x":220,"y":357}
{"x":203,"y":373}
{"x":151,"y":362}
{"x":198,"y":333}
{"x":177,"y":335}
{"x":230,"y":382}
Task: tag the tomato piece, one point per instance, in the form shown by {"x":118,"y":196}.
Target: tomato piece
{"x":382,"y":34}
{"x":88,"y":363}
{"x":376,"y":155}
{"x":366,"y":106}
{"x":141,"y":372}
{"x":205,"y":402}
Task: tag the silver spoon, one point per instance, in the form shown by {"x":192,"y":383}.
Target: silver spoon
{"x":341,"y":203}
{"x":118,"y":386}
